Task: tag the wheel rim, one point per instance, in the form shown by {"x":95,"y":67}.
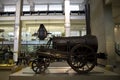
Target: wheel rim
{"x":38,"y":66}
{"x":82,"y":59}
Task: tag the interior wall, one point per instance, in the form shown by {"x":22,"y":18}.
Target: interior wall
{"x":117,"y":33}
{"x":117,"y":39}
{"x":116,"y":16}
{"x":29,"y":27}
{"x":7,"y":29}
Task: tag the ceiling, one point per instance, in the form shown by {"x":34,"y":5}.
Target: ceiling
{"x":115,"y":5}
{"x":2,"y":2}
{"x":36,"y":23}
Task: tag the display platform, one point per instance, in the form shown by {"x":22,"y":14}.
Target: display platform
{"x":64,"y":73}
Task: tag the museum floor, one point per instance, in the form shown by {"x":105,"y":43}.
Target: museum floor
{"x":65,"y":73}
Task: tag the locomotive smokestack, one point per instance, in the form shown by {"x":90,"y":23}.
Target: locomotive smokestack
{"x":87,"y":15}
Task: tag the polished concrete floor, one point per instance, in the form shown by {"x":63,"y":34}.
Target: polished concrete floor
{"x":4,"y":74}
{"x":62,"y":71}
{"x":117,"y":68}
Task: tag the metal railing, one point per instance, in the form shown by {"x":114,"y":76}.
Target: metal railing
{"x":41,"y":12}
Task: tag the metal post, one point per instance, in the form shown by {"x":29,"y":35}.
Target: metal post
{"x":87,"y":12}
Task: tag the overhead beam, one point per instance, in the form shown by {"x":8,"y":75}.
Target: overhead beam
{"x":7,"y":18}
{"x":50,"y":17}
{"x":42,"y":18}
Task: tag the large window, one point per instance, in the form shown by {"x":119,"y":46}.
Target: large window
{"x":74,"y":7}
{"x":40,"y":7}
{"x":55,"y":7}
{"x":82,"y":7}
{"x":9,"y":8}
{"x":83,"y":32}
{"x":74,"y":33}
{"x":26,"y":7}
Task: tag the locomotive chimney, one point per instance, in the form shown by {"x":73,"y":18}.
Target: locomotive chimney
{"x":87,"y":15}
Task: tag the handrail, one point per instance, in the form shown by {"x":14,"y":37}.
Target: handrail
{"x":42,"y":12}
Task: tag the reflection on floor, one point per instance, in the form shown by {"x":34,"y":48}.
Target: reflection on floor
{"x":63,"y":72}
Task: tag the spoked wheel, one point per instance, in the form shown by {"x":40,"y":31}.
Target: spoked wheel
{"x":82,"y":58}
{"x":39,"y":65}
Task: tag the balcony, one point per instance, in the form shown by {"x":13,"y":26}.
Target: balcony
{"x":38,"y":13}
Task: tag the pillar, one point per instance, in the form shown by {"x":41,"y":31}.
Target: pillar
{"x":67,"y":17}
{"x":102,"y":26}
{"x":17,"y":30}
{"x":109,"y":34}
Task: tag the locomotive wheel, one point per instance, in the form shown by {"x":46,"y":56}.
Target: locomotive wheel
{"x":39,"y":65}
{"x":82,"y":58}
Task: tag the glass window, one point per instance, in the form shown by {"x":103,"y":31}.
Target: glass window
{"x":55,"y":7}
{"x":83,"y":32}
{"x":74,"y":7}
{"x":40,"y":7}
{"x":74,"y":33}
{"x":26,"y":7}
{"x":82,"y":7}
{"x":9,"y":8}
